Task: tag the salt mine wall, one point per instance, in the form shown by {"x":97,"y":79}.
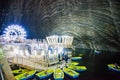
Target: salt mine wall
{"x":93,"y":23}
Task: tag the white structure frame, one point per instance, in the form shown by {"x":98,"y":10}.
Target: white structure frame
{"x":14,"y":32}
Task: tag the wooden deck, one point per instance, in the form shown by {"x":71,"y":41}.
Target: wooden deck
{"x":31,"y":63}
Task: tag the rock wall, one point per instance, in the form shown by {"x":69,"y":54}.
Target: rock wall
{"x":93,"y":23}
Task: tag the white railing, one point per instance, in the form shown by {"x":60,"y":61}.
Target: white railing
{"x":64,"y":41}
{"x":33,"y":63}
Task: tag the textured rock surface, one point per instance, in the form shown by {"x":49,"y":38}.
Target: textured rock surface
{"x":93,"y":23}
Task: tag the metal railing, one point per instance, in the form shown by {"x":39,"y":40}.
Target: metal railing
{"x":34,"y":63}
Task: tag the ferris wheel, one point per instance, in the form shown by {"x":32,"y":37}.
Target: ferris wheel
{"x":14,"y":32}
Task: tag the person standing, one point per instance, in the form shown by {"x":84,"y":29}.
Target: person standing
{"x":66,"y":58}
{"x":59,"y":57}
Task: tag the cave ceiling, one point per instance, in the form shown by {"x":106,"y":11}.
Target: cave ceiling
{"x":95,"y":24}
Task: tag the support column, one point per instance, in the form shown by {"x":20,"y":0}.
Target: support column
{"x":6,"y":69}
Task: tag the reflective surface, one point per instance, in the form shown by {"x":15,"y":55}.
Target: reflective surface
{"x":96,"y":65}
